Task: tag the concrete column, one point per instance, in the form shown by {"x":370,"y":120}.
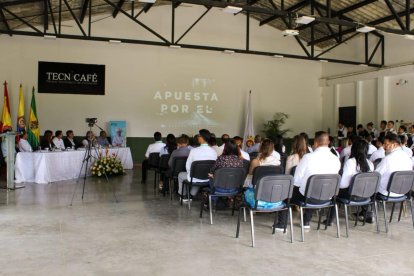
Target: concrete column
{"x":358,"y":101}
{"x":382,"y":99}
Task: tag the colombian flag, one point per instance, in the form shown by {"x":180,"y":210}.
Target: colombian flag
{"x":6,"y":123}
{"x":33,"y":127}
{"x":21,"y":123}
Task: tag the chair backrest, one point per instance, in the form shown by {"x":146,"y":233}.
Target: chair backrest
{"x":364,"y":185}
{"x":261,"y":171}
{"x":201,"y":169}
{"x":322,"y":186}
{"x":229,"y":178}
{"x":163,"y":165}
{"x":401,"y":182}
{"x":377,"y":161}
{"x":178,"y":165}
{"x":154,"y":159}
{"x":246,"y":166}
{"x":293,"y":170}
{"x":274,"y":188}
{"x":253,"y":155}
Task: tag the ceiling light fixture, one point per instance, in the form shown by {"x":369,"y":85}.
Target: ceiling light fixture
{"x":305,"y":20}
{"x":365,"y":29}
{"x":289,"y":32}
{"x":49,"y":37}
{"x":278,"y":56}
{"x":147,"y":1}
{"x":115,"y":41}
{"x":232,"y":9}
{"x":175,"y":46}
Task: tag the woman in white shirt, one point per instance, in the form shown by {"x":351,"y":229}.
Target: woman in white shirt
{"x":299,"y":149}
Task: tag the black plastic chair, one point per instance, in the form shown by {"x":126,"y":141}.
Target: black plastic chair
{"x":262,"y":171}
{"x":272,"y":189}
{"x":361,"y":192}
{"x":225,"y":179}
{"x":253,"y":155}
{"x":153,"y":165}
{"x":162,"y":169}
{"x":246,"y":166}
{"x":323,"y":188}
{"x":178,"y":165}
{"x":400,"y":182}
{"x":293,"y":170}
{"x":199,"y":170}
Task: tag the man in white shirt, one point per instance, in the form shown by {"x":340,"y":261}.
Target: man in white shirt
{"x":390,"y":127}
{"x":203,"y":152}
{"x":372,"y":131}
{"x":224,"y":139}
{"x":256,"y":146}
{"x":380,"y":152}
{"x":342,"y":131}
{"x":320,"y":161}
{"x":152,"y":148}
{"x":395,"y":160}
{"x":408,"y":151}
{"x":58,"y":141}
{"x":24,"y":145}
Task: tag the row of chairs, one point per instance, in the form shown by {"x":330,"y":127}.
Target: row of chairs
{"x":271,"y":185}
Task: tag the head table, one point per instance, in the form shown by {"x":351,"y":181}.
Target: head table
{"x":46,"y":167}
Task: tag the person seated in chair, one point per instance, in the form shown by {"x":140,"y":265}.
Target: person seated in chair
{"x":58,"y":141}
{"x":69,"y":141}
{"x":182,"y":149}
{"x":256,"y":146}
{"x":380,"y":152}
{"x":203,"y":152}
{"x":395,"y":160}
{"x":24,"y":145}
{"x":224,"y":139}
{"x":404,"y":147}
{"x":239,"y":142}
{"x":155,"y":147}
{"x":89,"y":140}
{"x":103,"y":139}
{"x":320,"y":161}
{"x":46,"y":142}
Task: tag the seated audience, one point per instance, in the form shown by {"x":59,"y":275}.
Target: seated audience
{"x":224,"y":139}
{"x":351,"y":131}
{"x":342,"y":131}
{"x":182,"y":149}
{"x":69,"y":141}
{"x":264,"y":158}
{"x":46,"y":142}
{"x":89,"y":140}
{"x":346,"y":152}
{"x":155,"y":147}
{"x":372,"y":131}
{"x":213,"y":144}
{"x":239,"y":142}
{"x":408,"y":151}
{"x":256,"y":146}
{"x":170,"y":145}
{"x":321,"y":161}
{"x":332,"y":147}
{"x":305,"y":135}
{"x":371,"y":147}
{"x":380,"y":152}
{"x":383,"y":129}
{"x":361,"y":132}
{"x":58,"y":140}
{"x":395,"y":160}
{"x":24,"y":145}
{"x":390,"y":127}
{"x":203,"y":152}
{"x":103,"y":139}
{"x":299,"y":148}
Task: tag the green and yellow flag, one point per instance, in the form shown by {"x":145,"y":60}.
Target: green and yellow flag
{"x":33,"y":128}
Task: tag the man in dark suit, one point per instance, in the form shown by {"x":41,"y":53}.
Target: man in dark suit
{"x":46,"y":142}
{"x":69,"y":141}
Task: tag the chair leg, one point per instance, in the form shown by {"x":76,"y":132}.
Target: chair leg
{"x":234,"y":206}
{"x":401,"y":209}
{"x":274,"y":223}
{"x":238,"y":222}
{"x":319,"y":219}
{"x":357,"y":216}
{"x":346,"y":220}
{"x":392,"y":211}
{"x":291,"y":224}
{"x":286,"y":219}
{"x":170,"y":187}
{"x":189,"y":197}
{"x":376,"y":215}
{"x":252,"y":226}
{"x":244,"y":214}
{"x":327,"y":218}
{"x":211,"y":209}
{"x":337,"y":221}
{"x":182,"y":194}
{"x":301,"y":224}
{"x":385,"y":216}
{"x":411,"y":207}
{"x":201,"y":208}
{"x":365,"y":216}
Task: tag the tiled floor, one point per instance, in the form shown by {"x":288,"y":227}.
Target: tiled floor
{"x":147,"y":234}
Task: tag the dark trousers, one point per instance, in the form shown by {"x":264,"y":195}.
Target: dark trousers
{"x":307,"y":214}
{"x":144,"y":170}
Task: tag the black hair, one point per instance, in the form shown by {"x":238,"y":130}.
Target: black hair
{"x":225,"y":138}
{"x":231,"y":148}
{"x":392,"y":122}
{"x":360,"y":126}
{"x":69,"y":132}
{"x":212,"y":141}
{"x":171,"y":143}
{"x":403,"y":128}
{"x":403,"y":139}
{"x":157,"y":136}
{"x":331,"y":141}
{"x":359,"y":151}
{"x":205,"y":134}
{"x":392,"y":137}
{"x":381,"y":139}
{"x":383,"y":122}
{"x":278,"y":144}
{"x":58,"y":132}
{"x":354,"y":138}
{"x":305,"y":135}
{"x":48,"y":132}
{"x":22,"y":132}
{"x":370,"y":124}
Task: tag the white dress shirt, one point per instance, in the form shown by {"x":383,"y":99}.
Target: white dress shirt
{"x":220,"y":150}
{"x":118,"y":141}
{"x":408,"y":151}
{"x":310,"y":149}
{"x":292,"y":160}
{"x":254,"y":148}
{"x":203,"y":152}
{"x":154,"y":147}
{"x":379,"y":153}
{"x":371,"y":148}
{"x":397,"y":160}
{"x":59,"y":144}
{"x":351,"y":169}
{"x":245,"y":155}
{"x":320,"y":161}
{"x":346,"y":152}
{"x":276,"y":154}
{"x":344,"y":132}
{"x":24,"y":146}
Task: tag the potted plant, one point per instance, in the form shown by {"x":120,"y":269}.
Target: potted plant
{"x":273,"y":128}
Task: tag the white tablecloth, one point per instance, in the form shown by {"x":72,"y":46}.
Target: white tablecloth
{"x":45,"y":167}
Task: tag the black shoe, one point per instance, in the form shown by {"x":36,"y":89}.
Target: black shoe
{"x":329,"y":223}
{"x":369,"y":220}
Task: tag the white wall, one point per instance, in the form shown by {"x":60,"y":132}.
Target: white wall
{"x":135,"y":72}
